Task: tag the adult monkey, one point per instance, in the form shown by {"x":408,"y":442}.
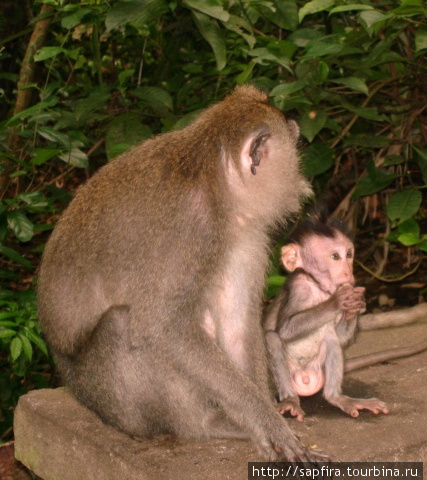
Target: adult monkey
{"x":150,"y":286}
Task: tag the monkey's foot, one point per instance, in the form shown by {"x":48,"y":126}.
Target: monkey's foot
{"x":353,"y":405}
{"x":284,"y":445}
{"x":292,"y":406}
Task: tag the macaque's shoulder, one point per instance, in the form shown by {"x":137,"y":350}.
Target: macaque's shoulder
{"x":303,"y":290}
{"x":301,"y":280}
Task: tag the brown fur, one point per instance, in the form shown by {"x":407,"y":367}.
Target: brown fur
{"x":150,"y":286}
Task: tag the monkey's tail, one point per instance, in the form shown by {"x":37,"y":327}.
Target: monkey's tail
{"x":384,"y":356}
{"x":395,"y":318}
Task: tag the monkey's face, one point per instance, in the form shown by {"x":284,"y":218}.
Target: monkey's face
{"x":329,"y":260}
{"x":267,"y":182}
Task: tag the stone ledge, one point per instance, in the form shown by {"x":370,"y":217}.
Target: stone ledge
{"x":59,"y":439}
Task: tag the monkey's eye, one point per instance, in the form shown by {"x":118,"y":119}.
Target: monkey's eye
{"x":335,"y":256}
{"x":349,"y":254}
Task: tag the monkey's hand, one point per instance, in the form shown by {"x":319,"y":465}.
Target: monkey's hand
{"x":349,"y":299}
{"x":346,"y":299}
{"x":359,"y":301}
{"x":291,"y":405}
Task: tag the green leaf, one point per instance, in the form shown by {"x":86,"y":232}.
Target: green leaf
{"x":321,"y":49}
{"x":36,"y":200}
{"x":302,"y":37}
{"x":53,"y":135}
{"x":211,"y":8}
{"x":20,"y":225}
{"x":26,"y":346}
{"x":33,"y":111}
{"x":353,"y":83}
{"x":75,"y":157}
{"x":135,"y":12}
{"x":246,"y":73}
{"x":311,"y":123}
{"x":421,"y":38}
{"x":123,"y":133}
{"x":37,"y":340}
{"x":6,"y":332}
{"x":266,"y":56}
{"x":15,"y":256}
{"x":48,"y":52}
{"x":84,"y":107}
{"x":285,"y":15}
{"x":8,"y":323}
{"x":375,"y":181}
{"x":123,"y":76}
{"x":317,"y":158}
{"x":15,"y":348}
{"x":408,"y":239}
{"x":187,"y":119}
{"x":241,"y":26}
{"x":393,"y":160}
{"x":370,"y":113}
{"x":71,"y":21}
{"x":409,"y":226}
{"x":409,"y":233}
{"x":210,"y":31}
{"x":423,"y":244}
{"x":403,"y":205}
{"x":314,"y":6}
{"x":286,"y":89}
{"x":409,"y":8}
{"x":352,"y":7}
{"x":156,"y":98}
{"x":42,"y":155}
{"x":371,"y":18}
{"x":422,"y":162}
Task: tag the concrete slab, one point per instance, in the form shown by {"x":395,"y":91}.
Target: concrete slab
{"x":58,"y":439}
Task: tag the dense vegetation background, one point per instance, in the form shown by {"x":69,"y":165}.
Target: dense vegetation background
{"x":83,"y":81}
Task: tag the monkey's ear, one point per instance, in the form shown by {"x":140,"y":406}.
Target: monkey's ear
{"x":255,"y":150}
{"x":291,"y":257}
{"x":293,"y":129}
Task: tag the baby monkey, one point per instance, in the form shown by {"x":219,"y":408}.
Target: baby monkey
{"x":314,"y":317}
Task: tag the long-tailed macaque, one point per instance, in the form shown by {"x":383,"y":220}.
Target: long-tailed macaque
{"x":150,"y":287}
{"x":314,"y":317}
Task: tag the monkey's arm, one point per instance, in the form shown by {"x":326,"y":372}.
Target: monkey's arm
{"x":272,"y":311}
{"x":346,"y":327}
{"x":295,"y":321}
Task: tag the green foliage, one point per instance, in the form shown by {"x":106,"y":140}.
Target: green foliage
{"x":112,"y":74}
{"x":23,"y":352}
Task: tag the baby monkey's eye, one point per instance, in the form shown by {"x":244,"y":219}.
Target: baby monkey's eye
{"x":335,"y":256}
{"x":349,"y":254}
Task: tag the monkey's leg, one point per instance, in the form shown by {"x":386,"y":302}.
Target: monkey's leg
{"x":241,"y":400}
{"x":334,"y":374}
{"x":288,"y":399}
{"x":136,"y":390}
